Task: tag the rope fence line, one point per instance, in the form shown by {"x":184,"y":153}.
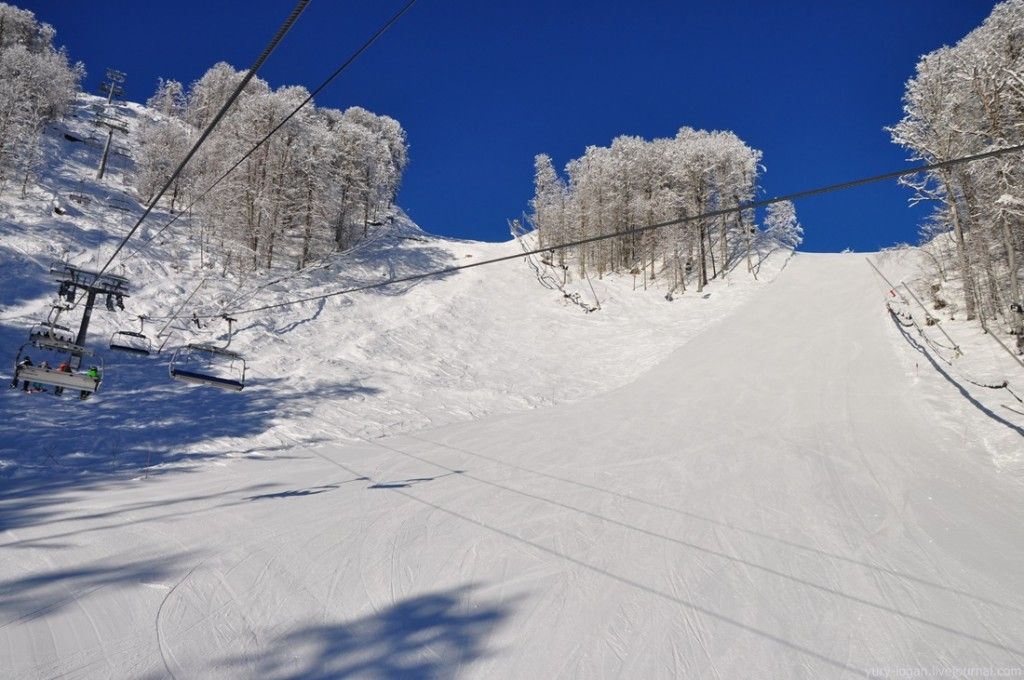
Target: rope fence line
{"x":906,"y":320}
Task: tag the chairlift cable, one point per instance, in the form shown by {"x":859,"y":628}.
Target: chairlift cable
{"x":319,"y":88}
{"x":285,"y":27}
{"x":807,"y":193}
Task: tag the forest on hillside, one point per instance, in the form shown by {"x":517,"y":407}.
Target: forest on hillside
{"x":38,"y":83}
{"x":316,"y":186}
{"x":635,"y":183}
{"x":964,"y":100}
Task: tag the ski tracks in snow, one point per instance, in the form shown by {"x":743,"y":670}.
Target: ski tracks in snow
{"x":165,"y":654}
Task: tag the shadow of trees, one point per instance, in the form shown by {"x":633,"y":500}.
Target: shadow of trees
{"x":140,"y":422}
{"x":44,"y":592}
{"x":428,"y":636}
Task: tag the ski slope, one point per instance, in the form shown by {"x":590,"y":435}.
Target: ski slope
{"x":488,"y":340}
{"x":775,"y":498}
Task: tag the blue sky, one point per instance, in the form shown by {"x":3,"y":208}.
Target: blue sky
{"x":482,"y":87}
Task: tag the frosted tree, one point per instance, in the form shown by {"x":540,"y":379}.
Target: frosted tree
{"x":964,"y":100}
{"x":315,"y":185}
{"x":781,"y":224}
{"x":169,"y":99}
{"x":548,"y":204}
{"x":633,"y":184}
{"x":37,"y":84}
{"x":164,"y":141}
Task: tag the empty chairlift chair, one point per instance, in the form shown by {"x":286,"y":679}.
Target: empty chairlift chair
{"x":131,"y":342}
{"x":203,"y":364}
{"x":51,"y":331}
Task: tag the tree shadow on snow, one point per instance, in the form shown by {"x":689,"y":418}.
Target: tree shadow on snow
{"x":25,"y":598}
{"x":31,"y":277}
{"x":428,"y":636}
{"x":139,"y":423}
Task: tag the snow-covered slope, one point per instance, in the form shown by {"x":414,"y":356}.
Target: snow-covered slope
{"x":487,"y":340}
{"x":962,"y":371}
{"x":785,"y":506}
{"x":766,"y":480}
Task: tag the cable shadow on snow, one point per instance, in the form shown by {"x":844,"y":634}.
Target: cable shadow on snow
{"x":436,"y":635}
{"x":134,"y":514}
{"x":717,"y":553}
{"x":406,"y":483}
{"x":902,"y":575}
{"x":30,"y":501}
{"x":952,"y":381}
{"x":301,"y":322}
{"x":301,"y":493}
{"x":842,"y":665}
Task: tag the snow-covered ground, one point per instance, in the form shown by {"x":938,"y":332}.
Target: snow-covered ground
{"x":487,"y":340}
{"x":471,"y":477}
{"x":961,"y":370}
{"x":786,"y":506}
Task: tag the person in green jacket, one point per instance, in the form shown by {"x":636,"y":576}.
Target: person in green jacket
{"x":93,"y":373}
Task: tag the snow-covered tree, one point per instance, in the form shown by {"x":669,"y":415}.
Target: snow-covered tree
{"x":781,"y":224}
{"x":636,"y":183}
{"x":315,"y":185}
{"x":964,"y":100}
{"x":37,"y":84}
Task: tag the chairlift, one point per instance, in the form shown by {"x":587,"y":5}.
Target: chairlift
{"x":47,"y":374}
{"x":52,"y":331}
{"x":132,"y":342}
{"x":210,"y":365}
{"x":204,"y":364}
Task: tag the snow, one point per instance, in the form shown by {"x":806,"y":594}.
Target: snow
{"x":486,"y":341}
{"x":958,"y":385}
{"x":471,"y":477}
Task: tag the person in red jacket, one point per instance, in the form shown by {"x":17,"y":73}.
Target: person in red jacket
{"x":64,"y":367}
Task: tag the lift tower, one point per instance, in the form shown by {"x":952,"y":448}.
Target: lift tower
{"x":75,"y":281}
{"x":112,"y":87}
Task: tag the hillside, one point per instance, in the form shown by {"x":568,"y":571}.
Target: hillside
{"x":790,"y":503}
{"x":474,"y":477}
{"x":487,"y":340}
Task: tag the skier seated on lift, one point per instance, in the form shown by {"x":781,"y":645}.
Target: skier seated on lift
{"x":94,"y":373}
{"x":24,"y":363}
{"x":65,"y":367}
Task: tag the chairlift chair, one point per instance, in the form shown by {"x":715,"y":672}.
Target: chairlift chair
{"x":51,"y":331}
{"x":52,"y":376}
{"x":132,"y":342}
{"x":205,"y":364}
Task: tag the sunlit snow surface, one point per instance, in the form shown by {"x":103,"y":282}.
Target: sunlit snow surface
{"x":469,"y":477}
